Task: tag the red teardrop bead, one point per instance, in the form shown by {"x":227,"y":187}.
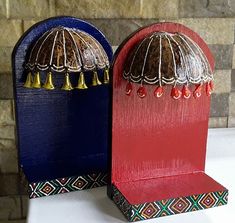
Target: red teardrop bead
{"x":158,"y":92}
{"x":208,"y":89}
{"x":198,"y":91}
{"x":141,"y":92}
{"x":128,"y":89}
{"x":186,"y":93}
{"x":175,"y":93}
{"x":211,"y":85}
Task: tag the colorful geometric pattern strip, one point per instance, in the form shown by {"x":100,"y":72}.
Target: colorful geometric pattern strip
{"x":67,"y":184}
{"x":169,"y":206}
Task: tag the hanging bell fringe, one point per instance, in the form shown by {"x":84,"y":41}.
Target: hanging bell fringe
{"x":36,"y":81}
{"x":158,"y":92}
{"x":29,"y":81}
{"x":208,"y":89}
{"x":186,"y":93}
{"x":49,"y":83}
{"x":141,"y":92}
{"x":129,"y":88}
{"x":81,"y":82}
{"x":106,"y":76}
{"x":67,"y":86}
{"x":175,"y":93}
{"x":198,"y":91}
{"x":95,"y":79}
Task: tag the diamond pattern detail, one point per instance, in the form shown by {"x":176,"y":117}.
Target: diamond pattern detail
{"x":168,"y":206}
{"x":208,"y":201}
{"x":47,"y":189}
{"x":67,"y":184}
{"x":80,"y":183}
{"x":179,"y":205}
{"x":150,"y":210}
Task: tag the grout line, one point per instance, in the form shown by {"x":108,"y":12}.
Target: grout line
{"x":141,"y":7}
{"x":22,"y":27}
{"x":7,"y":9}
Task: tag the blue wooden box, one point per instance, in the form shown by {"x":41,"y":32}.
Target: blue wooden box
{"x":62,"y":135}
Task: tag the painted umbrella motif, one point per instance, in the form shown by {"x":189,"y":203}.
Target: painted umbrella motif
{"x":66,"y":50}
{"x":168,"y":59}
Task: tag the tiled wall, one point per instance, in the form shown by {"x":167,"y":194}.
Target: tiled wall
{"x":214,"y":20}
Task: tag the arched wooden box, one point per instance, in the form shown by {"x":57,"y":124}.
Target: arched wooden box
{"x":159,"y":143}
{"x":62,"y":135}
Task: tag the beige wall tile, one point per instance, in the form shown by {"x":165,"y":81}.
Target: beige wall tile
{"x":5,"y":59}
{"x":231,"y":118}
{"x":161,"y":9}
{"x":219,"y":105}
{"x":7,"y":131}
{"x":29,"y":9}
{"x":8,"y":161}
{"x":7,"y":144}
{"x":9,"y":184}
{"x":98,"y":8}
{"x":212,"y":8}
{"x":6,"y":112}
{"x":6,"y":86}
{"x":231,"y":121}
{"x":3,"y":9}
{"x":222,"y":81}
{"x":212,"y":30}
{"x":218,"y":122}
{"x":223,"y":55}
{"x":11,"y":31}
{"x":10,"y":208}
{"x":233,"y":57}
{"x":27,"y":23}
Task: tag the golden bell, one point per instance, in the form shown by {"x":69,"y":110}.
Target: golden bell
{"x":29,"y":81}
{"x":67,"y":86}
{"x":106,"y":76}
{"x":36,"y":81}
{"x":81,"y":82}
{"x":95,"y":79}
{"x":49,"y":83}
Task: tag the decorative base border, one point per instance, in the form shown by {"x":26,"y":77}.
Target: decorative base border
{"x":67,"y":184}
{"x":169,"y":206}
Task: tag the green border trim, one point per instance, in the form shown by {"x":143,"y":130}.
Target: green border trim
{"x":167,"y":207}
{"x":67,"y":184}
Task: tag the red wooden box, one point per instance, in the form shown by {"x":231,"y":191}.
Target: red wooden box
{"x":159,"y":143}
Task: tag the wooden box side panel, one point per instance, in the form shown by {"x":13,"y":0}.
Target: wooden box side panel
{"x":154,"y":137}
{"x":157,"y":137}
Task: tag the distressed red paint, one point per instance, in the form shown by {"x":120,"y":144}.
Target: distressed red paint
{"x":155,"y":140}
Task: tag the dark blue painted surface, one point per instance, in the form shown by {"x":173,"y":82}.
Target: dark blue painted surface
{"x":60,"y":133}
